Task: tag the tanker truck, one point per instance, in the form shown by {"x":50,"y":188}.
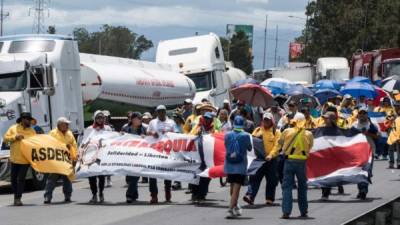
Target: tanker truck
{"x":201,"y":59}
{"x":46,"y":75}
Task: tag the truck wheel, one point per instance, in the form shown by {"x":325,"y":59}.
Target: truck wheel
{"x":38,"y":181}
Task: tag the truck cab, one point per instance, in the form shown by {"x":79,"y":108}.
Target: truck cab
{"x":201,"y":59}
{"x":38,"y":74}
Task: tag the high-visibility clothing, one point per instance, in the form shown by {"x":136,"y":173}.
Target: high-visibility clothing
{"x":394,"y":135}
{"x":310,"y":123}
{"x":340,"y":122}
{"x":67,"y":139}
{"x":187,"y":127}
{"x":270,"y":140}
{"x":389,"y":111}
{"x":296,"y":143}
{"x":15,"y":146}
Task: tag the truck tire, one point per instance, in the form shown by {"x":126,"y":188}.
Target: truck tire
{"x":38,"y":180}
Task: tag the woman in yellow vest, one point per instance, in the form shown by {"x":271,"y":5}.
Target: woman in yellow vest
{"x":270,"y":137}
{"x":19,"y":165}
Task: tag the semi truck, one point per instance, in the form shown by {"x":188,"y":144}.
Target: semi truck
{"x":332,"y":68}
{"x":202,"y":60}
{"x":47,"y":76}
{"x":376,"y":65}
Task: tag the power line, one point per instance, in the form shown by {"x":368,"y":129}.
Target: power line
{"x":3,"y":15}
{"x":39,"y":7}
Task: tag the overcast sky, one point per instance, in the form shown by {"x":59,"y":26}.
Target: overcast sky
{"x":165,"y":19}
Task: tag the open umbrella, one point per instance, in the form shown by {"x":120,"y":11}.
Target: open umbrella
{"x":361,"y":80}
{"x":324,"y":94}
{"x":253,"y":94}
{"x":357,"y":89}
{"x":391,"y":85}
{"x":244,"y":81}
{"x":298,"y":89}
{"x":327,"y":84}
{"x":276,"y":85}
{"x":300,"y":99}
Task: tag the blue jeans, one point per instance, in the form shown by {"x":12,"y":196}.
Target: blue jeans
{"x":294,"y":168}
{"x":270,"y":171}
{"x":132,"y":191}
{"x":52,"y":183}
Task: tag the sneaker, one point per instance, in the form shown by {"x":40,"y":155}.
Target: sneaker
{"x":238,"y":210}
{"x":248,"y":200}
{"x":324,"y":198}
{"x":101,"y":198}
{"x":18,"y":202}
{"x":93,"y":200}
{"x":362,"y":196}
{"x":269,"y":202}
{"x":304,"y":215}
{"x":230,"y":214}
{"x":285,"y":216}
{"x":129,"y":200}
{"x":47,"y":201}
{"x":108,"y":182}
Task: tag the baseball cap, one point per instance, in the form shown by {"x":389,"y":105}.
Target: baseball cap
{"x":147,"y":115}
{"x":347,"y":96}
{"x":25,"y":115}
{"x":136,"y":115}
{"x":268,"y":116}
{"x":395,"y":92}
{"x":226,"y":101}
{"x":98,"y":113}
{"x":209,"y":115}
{"x":188,"y":101}
{"x":161,"y":107}
{"x":63,"y":120}
{"x":365,"y":109}
{"x":238,"y":122}
{"x":106,"y":113}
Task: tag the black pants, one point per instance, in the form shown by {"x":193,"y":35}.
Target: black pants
{"x":153,"y":186}
{"x":326,"y":191}
{"x":93,"y":184}
{"x":199,"y":192}
{"x":18,"y":174}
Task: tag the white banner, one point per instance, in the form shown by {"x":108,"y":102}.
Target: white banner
{"x":171,"y":157}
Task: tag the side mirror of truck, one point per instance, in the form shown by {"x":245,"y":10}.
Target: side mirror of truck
{"x":49,"y":80}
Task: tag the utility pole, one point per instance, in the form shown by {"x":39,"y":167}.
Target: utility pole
{"x":365,"y":25}
{"x":39,"y":7}
{"x":276,"y":44}
{"x":265,"y":41}
{"x":3,"y":15}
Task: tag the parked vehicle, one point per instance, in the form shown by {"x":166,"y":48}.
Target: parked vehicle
{"x":333,"y":68}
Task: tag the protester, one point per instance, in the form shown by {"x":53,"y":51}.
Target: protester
{"x":97,"y":182}
{"x":135,"y":127}
{"x":187,"y":108}
{"x":64,"y":135}
{"x":190,"y":121}
{"x":296,"y":143}
{"x":157,"y":128}
{"x":270,"y":136}
{"x":276,"y":111}
{"x":310,"y":123}
{"x":107,"y":117}
{"x":223,"y":117}
{"x":146,"y":118}
{"x":394,"y":139}
{"x":19,"y":165}
{"x":227,"y":106}
{"x":179,"y":122}
{"x":290,"y":113}
{"x":237,"y":143}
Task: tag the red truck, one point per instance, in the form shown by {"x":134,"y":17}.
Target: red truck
{"x":377,"y":64}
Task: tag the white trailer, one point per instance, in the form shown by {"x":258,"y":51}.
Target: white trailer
{"x":304,"y":75}
{"x":201,"y":59}
{"x":333,"y":68}
{"x":43,"y":74}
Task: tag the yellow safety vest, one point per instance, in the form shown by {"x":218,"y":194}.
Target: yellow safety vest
{"x":297,"y":149}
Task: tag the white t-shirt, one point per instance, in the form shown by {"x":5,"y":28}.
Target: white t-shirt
{"x":161,"y":127}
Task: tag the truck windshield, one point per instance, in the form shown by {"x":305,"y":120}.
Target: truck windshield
{"x":12,"y":81}
{"x":203,"y":81}
{"x":32,"y":46}
{"x":392,"y":68}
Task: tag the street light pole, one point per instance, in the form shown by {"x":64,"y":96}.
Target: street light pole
{"x":265,"y":41}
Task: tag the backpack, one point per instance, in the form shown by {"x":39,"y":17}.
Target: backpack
{"x":233,"y":152}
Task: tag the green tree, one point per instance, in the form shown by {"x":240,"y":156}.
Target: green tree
{"x":238,"y":51}
{"x":341,"y":27}
{"x":113,"y":41}
{"x":51,"y":29}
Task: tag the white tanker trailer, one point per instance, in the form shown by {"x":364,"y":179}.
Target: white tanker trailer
{"x":44,"y":75}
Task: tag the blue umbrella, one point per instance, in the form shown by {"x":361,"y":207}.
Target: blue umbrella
{"x":357,"y":89}
{"x":298,"y":89}
{"x":324,"y":94}
{"x":361,"y":80}
{"x":327,"y":84}
{"x":276,"y":85}
{"x":244,"y":81}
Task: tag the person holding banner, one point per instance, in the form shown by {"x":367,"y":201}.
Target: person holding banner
{"x":135,"y":127}
{"x":394,"y":139}
{"x":270,"y":136}
{"x":157,"y":128}
{"x":65,"y":136}
{"x":19,"y":164}
{"x":237,"y":143}
{"x":296,"y":143}
{"x":98,"y":125}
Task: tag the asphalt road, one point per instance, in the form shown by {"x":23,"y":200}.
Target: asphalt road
{"x":115,"y":211}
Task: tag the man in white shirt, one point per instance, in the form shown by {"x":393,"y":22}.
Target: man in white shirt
{"x":157,"y":128}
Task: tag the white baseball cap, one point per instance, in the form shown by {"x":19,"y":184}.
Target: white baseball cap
{"x":161,"y":107}
{"x":188,"y":101}
{"x":63,"y":120}
{"x":226,"y":101}
{"x":268,"y":116}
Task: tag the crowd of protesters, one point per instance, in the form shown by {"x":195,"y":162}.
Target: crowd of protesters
{"x":284,"y":129}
